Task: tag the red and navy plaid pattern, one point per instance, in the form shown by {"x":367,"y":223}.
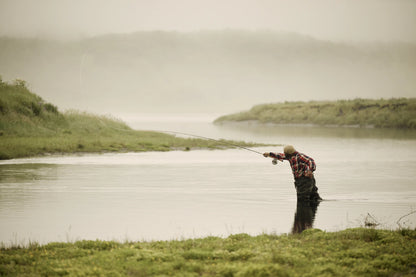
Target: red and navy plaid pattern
{"x":300,"y":163}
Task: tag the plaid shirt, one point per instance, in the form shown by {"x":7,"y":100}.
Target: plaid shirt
{"x":300,"y":163}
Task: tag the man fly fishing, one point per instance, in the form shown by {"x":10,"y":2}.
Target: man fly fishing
{"x":302,"y":168}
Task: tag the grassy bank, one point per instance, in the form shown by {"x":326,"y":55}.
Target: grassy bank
{"x":29,"y":126}
{"x":383,"y":113}
{"x":352,"y":252}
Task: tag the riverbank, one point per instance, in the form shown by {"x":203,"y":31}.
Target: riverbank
{"x":352,"y":252}
{"x":29,"y":127}
{"x":382,"y":113}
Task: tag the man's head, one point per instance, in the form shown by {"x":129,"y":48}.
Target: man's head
{"x":289,"y":150}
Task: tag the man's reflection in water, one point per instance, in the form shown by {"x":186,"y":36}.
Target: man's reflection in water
{"x":304,"y":216}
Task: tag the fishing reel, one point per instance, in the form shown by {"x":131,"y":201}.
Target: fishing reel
{"x":274,"y":161}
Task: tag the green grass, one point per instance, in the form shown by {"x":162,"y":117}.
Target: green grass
{"x":382,"y":113}
{"x":352,"y":252}
{"x":29,"y":126}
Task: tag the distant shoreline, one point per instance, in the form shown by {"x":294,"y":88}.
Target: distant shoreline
{"x":307,"y":125}
{"x":391,"y":113}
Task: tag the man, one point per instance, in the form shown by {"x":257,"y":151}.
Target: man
{"x":302,"y":168}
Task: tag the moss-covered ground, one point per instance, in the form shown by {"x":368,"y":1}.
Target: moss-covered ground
{"x":352,"y":252}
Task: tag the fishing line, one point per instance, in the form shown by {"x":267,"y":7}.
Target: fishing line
{"x":274,"y":161}
{"x":202,"y":137}
{"x":219,"y":141}
{"x":191,"y":135}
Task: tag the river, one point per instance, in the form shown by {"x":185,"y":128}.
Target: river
{"x":366,"y":176}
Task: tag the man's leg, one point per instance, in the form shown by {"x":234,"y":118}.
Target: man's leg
{"x":304,"y":188}
{"x":314,"y":193}
{"x":304,"y":216}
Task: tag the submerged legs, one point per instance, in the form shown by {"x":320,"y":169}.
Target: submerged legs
{"x":306,"y":189}
{"x":304,"y":216}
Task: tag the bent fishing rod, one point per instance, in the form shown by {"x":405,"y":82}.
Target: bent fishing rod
{"x":216,"y":140}
{"x":201,"y":137}
{"x":274,"y":161}
{"x":207,"y":138}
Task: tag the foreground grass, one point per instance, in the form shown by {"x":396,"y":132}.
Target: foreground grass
{"x":352,"y":252}
{"x":31,"y":127}
{"x":382,"y":113}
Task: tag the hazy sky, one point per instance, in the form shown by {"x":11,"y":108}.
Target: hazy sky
{"x":369,"y":20}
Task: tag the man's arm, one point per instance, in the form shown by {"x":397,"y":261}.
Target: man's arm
{"x":279,"y":156}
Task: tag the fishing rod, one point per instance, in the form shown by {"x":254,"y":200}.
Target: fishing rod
{"x":197,"y":136}
{"x":207,"y":138}
{"x":219,"y":141}
{"x":274,"y":161}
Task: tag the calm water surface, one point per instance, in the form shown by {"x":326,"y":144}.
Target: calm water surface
{"x":174,"y":195}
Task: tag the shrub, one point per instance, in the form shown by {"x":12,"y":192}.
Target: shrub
{"x":20,"y":83}
{"x":50,"y":108}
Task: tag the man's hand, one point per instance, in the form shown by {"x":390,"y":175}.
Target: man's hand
{"x":267,"y":154}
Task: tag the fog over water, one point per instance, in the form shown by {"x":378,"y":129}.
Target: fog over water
{"x":207,"y":56}
{"x":176,"y":66}
{"x":366,"y":20}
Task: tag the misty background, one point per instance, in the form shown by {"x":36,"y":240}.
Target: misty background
{"x":207,"y":56}
{"x":174,"y":65}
